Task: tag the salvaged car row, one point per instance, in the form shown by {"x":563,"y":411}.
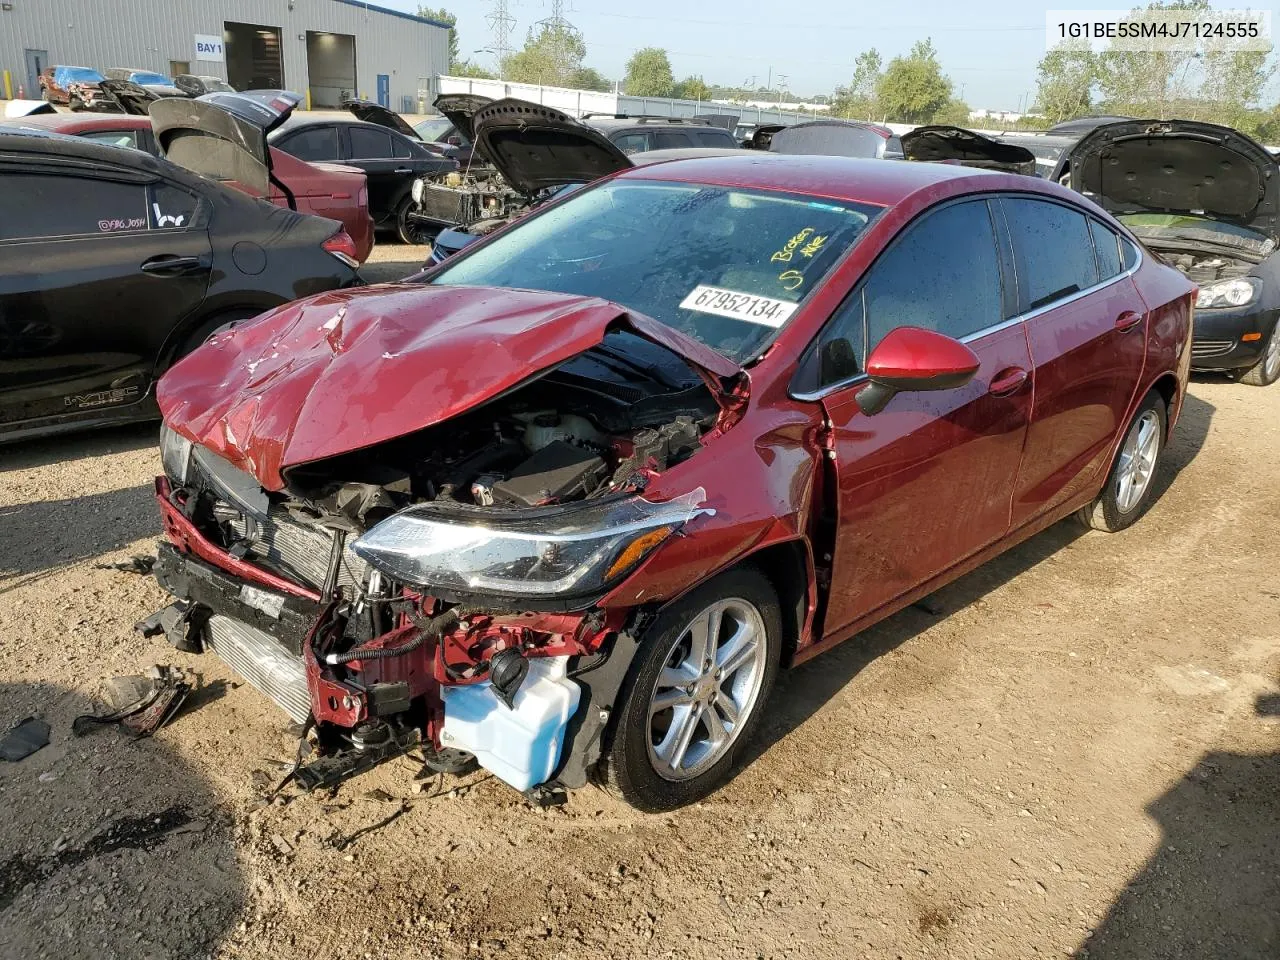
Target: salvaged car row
{"x":660,"y":424}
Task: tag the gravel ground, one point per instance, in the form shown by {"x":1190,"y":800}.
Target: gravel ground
{"x":1076,"y":753}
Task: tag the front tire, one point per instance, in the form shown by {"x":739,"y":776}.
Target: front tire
{"x":1127,"y":495}
{"x":407,"y":230}
{"x":1267,"y":370}
{"x":696,"y":691}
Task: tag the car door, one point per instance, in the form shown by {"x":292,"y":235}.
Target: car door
{"x":926,"y":482}
{"x":1086,"y":326}
{"x":373,"y":150}
{"x":97,"y":266}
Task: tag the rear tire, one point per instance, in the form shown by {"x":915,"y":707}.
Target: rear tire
{"x":1127,"y":494}
{"x":1267,"y":370}
{"x":699,"y":715}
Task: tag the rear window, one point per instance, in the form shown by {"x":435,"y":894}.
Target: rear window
{"x":632,"y":142}
{"x":671,"y":139}
{"x":726,"y":266}
{"x":1107,"y":247}
{"x":1053,"y":249}
{"x":368,"y":144}
{"x":714,"y":138}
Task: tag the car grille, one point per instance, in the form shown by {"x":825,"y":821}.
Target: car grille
{"x":1211,"y":348}
{"x":263,"y":662}
{"x":300,"y":549}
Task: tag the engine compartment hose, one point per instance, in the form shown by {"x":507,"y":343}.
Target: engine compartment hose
{"x":428,"y":629}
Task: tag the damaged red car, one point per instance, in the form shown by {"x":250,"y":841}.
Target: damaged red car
{"x":565,"y":504}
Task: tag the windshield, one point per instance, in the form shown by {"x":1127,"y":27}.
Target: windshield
{"x":214,"y":85}
{"x":157,"y":79}
{"x":79,"y":75}
{"x":724,"y":265}
{"x":434,"y":130}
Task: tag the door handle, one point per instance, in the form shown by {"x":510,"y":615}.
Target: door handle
{"x":1008,"y":382}
{"x":402,"y":170}
{"x":169,"y":265}
{"x":1128,"y":320}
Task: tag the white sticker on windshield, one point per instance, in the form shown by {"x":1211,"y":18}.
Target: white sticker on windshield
{"x":740,"y":306}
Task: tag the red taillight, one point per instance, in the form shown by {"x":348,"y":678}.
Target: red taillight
{"x":344,"y":248}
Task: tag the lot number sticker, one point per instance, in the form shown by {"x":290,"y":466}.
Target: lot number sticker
{"x":765,"y":311}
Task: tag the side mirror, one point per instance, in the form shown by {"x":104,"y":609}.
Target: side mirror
{"x":454,"y":141}
{"x":909,"y":359}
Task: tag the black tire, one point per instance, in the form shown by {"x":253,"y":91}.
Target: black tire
{"x":75,"y":104}
{"x":407,"y":230}
{"x":1106,"y":513}
{"x":629,"y":768}
{"x":222,"y":321}
{"x":1267,"y":370}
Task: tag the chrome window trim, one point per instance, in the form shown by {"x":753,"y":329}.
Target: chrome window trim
{"x":825,"y":391}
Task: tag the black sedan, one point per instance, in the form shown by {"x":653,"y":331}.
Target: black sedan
{"x":378,"y":142}
{"x":114,"y":264}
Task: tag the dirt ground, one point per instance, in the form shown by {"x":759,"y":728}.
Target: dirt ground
{"x":1074,"y":752}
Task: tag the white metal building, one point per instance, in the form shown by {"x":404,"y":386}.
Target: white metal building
{"x":324,"y":49}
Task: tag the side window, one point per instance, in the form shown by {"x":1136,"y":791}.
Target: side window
{"x":1107,"y":246}
{"x":942,"y":274}
{"x":893,"y":149}
{"x":117,"y":138}
{"x":668,"y":139}
{"x":367,"y":144}
{"x":172,"y":207}
{"x":842,"y":342}
{"x":401,"y":149}
{"x":1129,"y":253}
{"x":631,"y":142}
{"x":43,"y":206}
{"x":313,"y":143}
{"x":713,"y":138}
{"x":1052,"y":248}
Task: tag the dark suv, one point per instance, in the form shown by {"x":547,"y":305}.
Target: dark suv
{"x":642,"y":134}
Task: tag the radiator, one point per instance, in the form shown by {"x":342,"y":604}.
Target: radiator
{"x":302,"y":549}
{"x":263,"y":662}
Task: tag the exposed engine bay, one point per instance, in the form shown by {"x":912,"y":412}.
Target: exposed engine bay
{"x":1202,"y":268}
{"x":460,"y":198}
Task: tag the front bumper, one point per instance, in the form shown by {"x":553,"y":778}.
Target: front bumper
{"x":1218,"y":343}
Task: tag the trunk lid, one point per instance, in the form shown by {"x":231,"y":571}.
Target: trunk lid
{"x":371,"y":112}
{"x":223,"y":136}
{"x":350,"y":369}
{"x":1179,"y":167}
{"x":535,"y":147}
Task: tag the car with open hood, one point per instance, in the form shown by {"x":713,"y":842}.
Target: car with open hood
{"x":942,"y":143}
{"x":77,"y":87}
{"x":323,"y":189}
{"x":1206,"y":199}
{"x":564,"y":504}
{"x":114,"y":264}
{"x":377,"y":141}
{"x":451,"y":133}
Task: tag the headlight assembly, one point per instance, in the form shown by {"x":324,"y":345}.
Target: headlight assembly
{"x":567,"y":551}
{"x":1228,"y":293}
{"x":175,"y":454}
{"x":416,"y":191}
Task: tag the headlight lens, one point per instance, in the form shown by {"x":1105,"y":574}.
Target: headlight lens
{"x":1228,"y":293}
{"x":175,"y":454}
{"x":565,"y":552}
{"x":416,"y":190}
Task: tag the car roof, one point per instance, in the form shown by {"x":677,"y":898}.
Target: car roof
{"x":612,"y":124}
{"x":296,"y":122}
{"x":17,"y":139}
{"x":687,"y":153}
{"x":74,"y":123}
{"x":881,"y":182}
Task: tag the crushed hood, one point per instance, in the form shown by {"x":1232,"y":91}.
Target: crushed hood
{"x":350,"y":369}
{"x":1179,"y":166}
{"x":371,"y":112}
{"x":223,"y":135}
{"x":940,"y":143}
{"x":460,"y":109}
{"x":536,"y":147}
{"x":131,"y":98}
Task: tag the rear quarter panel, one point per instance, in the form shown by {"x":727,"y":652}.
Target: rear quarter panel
{"x":1169,"y":297}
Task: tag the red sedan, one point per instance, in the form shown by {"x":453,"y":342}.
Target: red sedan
{"x":323,"y":189}
{"x":565,"y":505}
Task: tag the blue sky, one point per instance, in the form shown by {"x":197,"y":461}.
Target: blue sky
{"x":989,"y":48}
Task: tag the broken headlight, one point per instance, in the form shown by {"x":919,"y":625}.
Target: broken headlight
{"x":175,"y":454}
{"x":1228,"y":293}
{"x":568,"y":551}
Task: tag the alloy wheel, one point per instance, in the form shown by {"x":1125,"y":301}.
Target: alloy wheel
{"x":1137,"y":461}
{"x":707,"y":689}
{"x":1271,"y":365}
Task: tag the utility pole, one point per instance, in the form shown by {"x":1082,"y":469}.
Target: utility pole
{"x":501,"y":23}
{"x":561,"y":29}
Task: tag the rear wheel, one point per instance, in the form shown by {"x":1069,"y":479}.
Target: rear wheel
{"x":1267,"y":370}
{"x":1127,"y":494}
{"x":698,"y":686}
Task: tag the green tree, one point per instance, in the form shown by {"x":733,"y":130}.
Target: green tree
{"x":858,"y":99}
{"x":1065,"y":79}
{"x":649,"y":74}
{"x":692,"y":88}
{"x":1233,"y":83}
{"x":954,"y":112}
{"x":589,"y":78}
{"x":551,"y":57}
{"x":465,"y":68}
{"x":1149,"y":83}
{"x":444,"y":16}
{"x":913,"y":88}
